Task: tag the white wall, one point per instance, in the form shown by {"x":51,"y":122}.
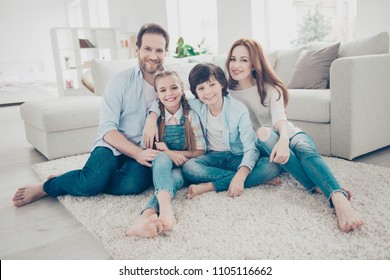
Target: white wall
{"x":25,"y":30}
{"x":234,"y":22}
{"x":372,"y":17}
{"x":145,"y":11}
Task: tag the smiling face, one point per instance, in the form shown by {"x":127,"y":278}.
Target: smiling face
{"x":240,"y":66}
{"x":169,"y":92}
{"x":210,"y":93}
{"x":151,"y":53}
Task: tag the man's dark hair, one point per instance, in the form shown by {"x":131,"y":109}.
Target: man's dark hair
{"x":202,"y":72}
{"x":154,"y":29}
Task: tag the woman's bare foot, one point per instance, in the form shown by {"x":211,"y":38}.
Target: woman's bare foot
{"x":275,"y":181}
{"x":145,"y":226}
{"x":197,"y":189}
{"x":347,"y":218}
{"x":349,"y":192}
{"x":28,"y":194}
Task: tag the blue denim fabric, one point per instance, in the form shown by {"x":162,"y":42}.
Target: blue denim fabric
{"x":166,"y":176}
{"x":103,"y":172}
{"x":305,"y":164}
{"x":219,"y":168}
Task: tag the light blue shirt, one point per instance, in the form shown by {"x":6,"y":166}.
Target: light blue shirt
{"x":123,"y":108}
{"x":238,"y":134}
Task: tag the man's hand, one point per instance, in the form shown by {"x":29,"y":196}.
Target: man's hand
{"x":145,"y":157}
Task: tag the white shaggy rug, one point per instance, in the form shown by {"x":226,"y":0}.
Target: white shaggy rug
{"x":266,"y":222}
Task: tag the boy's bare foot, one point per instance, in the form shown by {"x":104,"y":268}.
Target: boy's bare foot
{"x":349,"y":192}
{"x":275,"y":181}
{"x":197,"y":189}
{"x":145,"y":226}
{"x":347,"y":218}
{"x":28,"y":194}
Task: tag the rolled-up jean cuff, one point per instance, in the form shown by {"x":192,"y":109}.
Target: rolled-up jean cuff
{"x":330,"y":196}
{"x":165,"y":190}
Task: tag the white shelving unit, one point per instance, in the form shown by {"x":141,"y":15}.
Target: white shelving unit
{"x":72,"y":56}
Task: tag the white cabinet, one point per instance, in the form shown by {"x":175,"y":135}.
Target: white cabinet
{"x":74,"y":48}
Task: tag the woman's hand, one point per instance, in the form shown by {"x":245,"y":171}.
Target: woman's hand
{"x":281,"y":151}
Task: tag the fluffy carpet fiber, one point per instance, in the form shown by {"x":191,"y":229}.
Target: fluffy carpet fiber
{"x":266,"y":222}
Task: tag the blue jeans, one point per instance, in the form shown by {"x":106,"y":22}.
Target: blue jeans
{"x":305,"y":164}
{"x":166,"y":177}
{"x":219,"y":168}
{"x":102,"y":173}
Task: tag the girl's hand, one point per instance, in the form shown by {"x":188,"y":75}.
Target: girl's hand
{"x":150,"y":132}
{"x":281,"y":151}
{"x":177,"y":158}
{"x":236,"y":186}
{"x":161,"y":146}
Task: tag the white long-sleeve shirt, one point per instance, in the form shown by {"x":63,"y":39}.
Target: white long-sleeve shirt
{"x":268,"y":115}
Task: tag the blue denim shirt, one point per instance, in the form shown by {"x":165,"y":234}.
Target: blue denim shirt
{"x":123,"y":108}
{"x":238,"y":134}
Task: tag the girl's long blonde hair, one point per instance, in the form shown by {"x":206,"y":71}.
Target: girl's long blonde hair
{"x":262,"y":71}
{"x":189,"y":133}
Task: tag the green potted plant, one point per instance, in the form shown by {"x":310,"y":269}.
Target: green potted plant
{"x":185,"y":50}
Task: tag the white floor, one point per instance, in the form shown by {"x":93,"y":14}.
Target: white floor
{"x":45,"y":229}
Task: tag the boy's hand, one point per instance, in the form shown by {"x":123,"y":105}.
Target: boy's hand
{"x":150,"y":132}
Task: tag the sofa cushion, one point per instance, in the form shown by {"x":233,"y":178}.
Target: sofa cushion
{"x":64,"y":113}
{"x":103,"y":70}
{"x":285,"y":62}
{"x":311,"y":105}
{"x":312,"y":68}
{"x":375,"y":44}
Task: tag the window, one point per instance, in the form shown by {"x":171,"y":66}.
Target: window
{"x":296,"y":22}
{"x":194,"y":22}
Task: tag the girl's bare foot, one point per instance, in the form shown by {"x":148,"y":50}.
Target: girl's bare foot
{"x":349,"y":193}
{"x":28,"y":194}
{"x":145,"y":226}
{"x":167,"y":219}
{"x":275,"y":181}
{"x":347,"y":218}
{"x":197,"y":189}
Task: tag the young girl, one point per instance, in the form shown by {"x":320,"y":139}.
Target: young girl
{"x":254,"y":83}
{"x":232,"y":160}
{"x":182,"y":138}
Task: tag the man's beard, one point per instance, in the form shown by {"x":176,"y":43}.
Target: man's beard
{"x":151,"y":71}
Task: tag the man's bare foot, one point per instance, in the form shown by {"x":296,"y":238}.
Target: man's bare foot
{"x":197,"y":189}
{"x":349,"y":192}
{"x":28,"y":194}
{"x":347,"y":218}
{"x":51,"y":176}
{"x":275,"y":181}
{"x":145,"y":226}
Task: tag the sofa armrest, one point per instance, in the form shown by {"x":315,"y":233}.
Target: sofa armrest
{"x":360,"y":101}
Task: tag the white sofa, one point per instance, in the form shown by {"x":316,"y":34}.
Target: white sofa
{"x":346,"y":120}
